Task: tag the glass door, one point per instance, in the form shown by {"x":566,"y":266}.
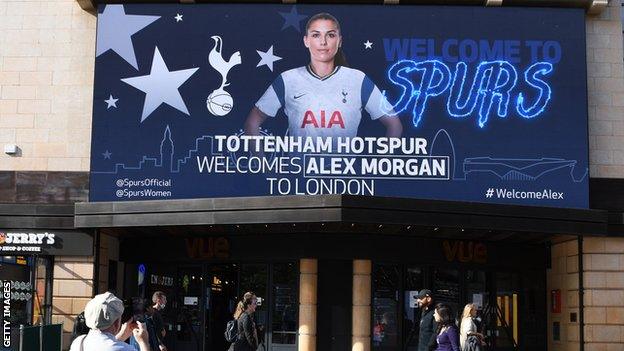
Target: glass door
{"x":187,"y":331}
{"x":385,"y":327}
{"x":414,"y":282}
{"x":284,"y":306}
{"x":221,"y":300}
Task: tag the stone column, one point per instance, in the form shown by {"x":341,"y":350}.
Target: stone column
{"x":361,"y":340}
{"x":308,"y":282}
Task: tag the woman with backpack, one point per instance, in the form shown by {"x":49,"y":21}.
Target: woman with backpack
{"x":247,"y":337}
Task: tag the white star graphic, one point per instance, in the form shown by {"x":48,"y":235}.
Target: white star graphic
{"x":115,"y":30}
{"x":368,"y":45}
{"x":178,"y":18}
{"x":161,"y":86}
{"x":111,"y":102}
{"x":267,"y":58}
{"x":107,"y":155}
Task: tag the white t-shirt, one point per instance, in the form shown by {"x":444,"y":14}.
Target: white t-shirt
{"x":323,"y":107}
{"x":97,"y":340}
{"x":467,"y":326}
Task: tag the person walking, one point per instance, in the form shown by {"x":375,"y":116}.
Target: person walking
{"x":159,"y":299}
{"x":468,"y":327}
{"x":247,"y":336}
{"x":447,"y":335}
{"x":428,"y":325}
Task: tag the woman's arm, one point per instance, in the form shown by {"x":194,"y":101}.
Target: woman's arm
{"x":254,"y":121}
{"x":453,"y":336}
{"x":394,"y":127}
{"x":252,"y":127}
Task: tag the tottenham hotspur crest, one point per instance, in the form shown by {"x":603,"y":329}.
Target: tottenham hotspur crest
{"x":220,"y":102}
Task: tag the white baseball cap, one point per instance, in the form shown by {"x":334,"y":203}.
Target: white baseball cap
{"x":103,"y":310}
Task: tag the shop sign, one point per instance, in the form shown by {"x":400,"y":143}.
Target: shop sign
{"x":25,"y":242}
{"x":464,"y":251}
{"x":28,"y":242}
{"x":161,"y":280}
{"x":492,"y":108}
{"x":208,"y":248}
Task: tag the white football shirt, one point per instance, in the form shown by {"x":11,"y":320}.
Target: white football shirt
{"x":323,"y":107}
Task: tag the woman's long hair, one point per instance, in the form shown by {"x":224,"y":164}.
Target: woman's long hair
{"x":447,"y":320}
{"x":446,"y":315}
{"x":467,"y":312}
{"x":340,"y":59}
{"x":247,"y":300}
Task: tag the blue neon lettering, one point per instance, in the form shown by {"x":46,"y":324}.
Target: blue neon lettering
{"x":396,"y":74}
{"x":492,"y":85}
{"x":429,"y":86}
{"x":454,"y":105}
{"x":532,"y":76}
{"x":498,"y":89}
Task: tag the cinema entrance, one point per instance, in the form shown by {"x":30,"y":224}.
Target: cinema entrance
{"x":203,"y":297}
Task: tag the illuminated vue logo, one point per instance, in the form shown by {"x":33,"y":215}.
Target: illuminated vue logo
{"x":490,"y":91}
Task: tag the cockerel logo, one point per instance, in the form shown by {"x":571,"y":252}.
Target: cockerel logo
{"x":220,"y":102}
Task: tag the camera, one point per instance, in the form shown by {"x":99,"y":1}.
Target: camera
{"x":136,"y":309}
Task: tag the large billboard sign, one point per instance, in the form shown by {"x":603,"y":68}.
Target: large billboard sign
{"x":451,"y":103}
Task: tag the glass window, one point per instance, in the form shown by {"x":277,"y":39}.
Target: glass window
{"x":285,"y":303}
{"x":506,"y":309}
{"x":385,"y":331}
{"x":447,"y":287}
{"x":476,"y":288}
{"x":414,"y":282}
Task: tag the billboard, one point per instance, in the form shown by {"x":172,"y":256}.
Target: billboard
{"x":450,"y":103}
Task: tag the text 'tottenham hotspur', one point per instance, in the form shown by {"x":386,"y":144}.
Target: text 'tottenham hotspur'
{"x":321,"y":145}
{"x":324,"y":165}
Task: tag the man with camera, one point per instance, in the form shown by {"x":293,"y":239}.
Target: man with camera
{"x":103,"y":316}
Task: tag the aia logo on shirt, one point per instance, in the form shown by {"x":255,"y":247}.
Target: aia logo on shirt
{"x":321,"y":121}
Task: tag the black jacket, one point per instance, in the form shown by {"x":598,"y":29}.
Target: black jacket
{"x":428,"y":329}
{"x":247,"y":339}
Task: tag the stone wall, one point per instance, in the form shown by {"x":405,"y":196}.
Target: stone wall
{"x":563,"y":276}
{"x":605,"y":85}
{"x":72,"y":288}
{"x":47,"y":55}
{"x":603,"y":269}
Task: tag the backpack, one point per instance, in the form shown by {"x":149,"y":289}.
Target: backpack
{"x":80,"y":326}
{"x":231,"y":331}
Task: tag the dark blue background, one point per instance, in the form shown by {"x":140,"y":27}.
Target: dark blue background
{"x":560,"y":132}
